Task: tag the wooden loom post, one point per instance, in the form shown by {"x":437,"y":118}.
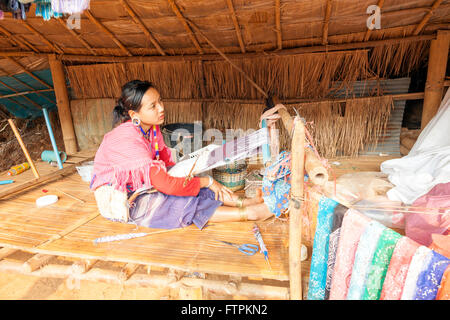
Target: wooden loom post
{"x":295,"y":213}
{"x":62,"y":102}
{"x":24,"y":148}
{"x":434,"y":87}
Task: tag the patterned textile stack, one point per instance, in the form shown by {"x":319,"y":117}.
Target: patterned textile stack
{"x":357,"y":258}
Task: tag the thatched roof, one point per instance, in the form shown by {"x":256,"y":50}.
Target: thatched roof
{"x":167,"y":29}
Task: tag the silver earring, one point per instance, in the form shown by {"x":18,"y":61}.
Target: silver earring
{"x":136,"y":121}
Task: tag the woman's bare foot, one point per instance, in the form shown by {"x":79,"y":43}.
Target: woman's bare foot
{"x":258,"y":211}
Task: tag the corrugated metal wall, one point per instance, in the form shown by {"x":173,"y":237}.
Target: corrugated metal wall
{"x":389,"y":143}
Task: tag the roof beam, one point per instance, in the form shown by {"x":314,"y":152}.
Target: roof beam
{"x":27,"y":71}
{"x":236,"y":25}
{"x":17,"y":93}
{"x":182,"y":19}
{"x":27,"y":85}
{"x":139,"y":22}
{"x":76,"y":35}
{"x":380,"y":4}
{"x":326,"y":22}
{"x":278,"y":24}
{"x":18,"y":40}
{"x":52,"y":46}
{"x":427,"y":17}
{"x":109,"y":33}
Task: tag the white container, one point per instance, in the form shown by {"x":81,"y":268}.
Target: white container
{"x":85,"y":170}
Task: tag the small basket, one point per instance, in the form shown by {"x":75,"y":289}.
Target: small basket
{"x":85,"y":171}
{"x":231,"y":176}
{"x":253,"y":182}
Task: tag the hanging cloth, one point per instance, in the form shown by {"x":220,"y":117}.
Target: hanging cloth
{"x":363,"y":259}
{"x":70,"y":6}
{"x":18,"y":9}
{"x":430,"y":278}
{"x":444,"y":290}
{"x":419,"y":262}
{"x":44,"y":10}
{"x":380,"y":263}
{"x":338,"y":216}
{"x":398,"y":269}
{"x":319,"y":259}
{"x":352,"y":228}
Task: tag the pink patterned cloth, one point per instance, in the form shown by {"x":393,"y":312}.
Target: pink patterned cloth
{"x":420,"y":226}
{"x":398,"y":269}
{"x":125,"y":158}
{"x":352,"y":228}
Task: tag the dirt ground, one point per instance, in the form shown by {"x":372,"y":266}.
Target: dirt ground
{"x":35,"y":136}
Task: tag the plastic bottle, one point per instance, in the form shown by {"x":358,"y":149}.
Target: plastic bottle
{"x":15,"y":170}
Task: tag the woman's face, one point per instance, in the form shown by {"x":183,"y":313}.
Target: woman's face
{"x":152,"y":109}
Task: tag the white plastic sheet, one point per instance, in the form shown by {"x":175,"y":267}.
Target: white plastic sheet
{"x":428,"y":162}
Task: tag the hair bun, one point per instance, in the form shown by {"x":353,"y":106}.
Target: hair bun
{"x":119,"y":109}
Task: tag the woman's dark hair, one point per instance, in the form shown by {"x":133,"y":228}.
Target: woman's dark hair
{"x":130,"y":99}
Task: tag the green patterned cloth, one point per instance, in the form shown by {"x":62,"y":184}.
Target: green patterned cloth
{"x":380,"y":263}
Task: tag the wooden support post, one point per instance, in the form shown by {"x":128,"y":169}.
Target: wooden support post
{"x":24,"y":148}
{"x":295,"y":214}
{"x":62,"y":102}
{"x":434,"y":87}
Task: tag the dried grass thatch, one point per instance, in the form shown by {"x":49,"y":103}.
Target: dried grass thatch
{"x":344,"y":128}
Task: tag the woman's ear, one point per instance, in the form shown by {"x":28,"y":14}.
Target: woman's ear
{"x":131,"y":113}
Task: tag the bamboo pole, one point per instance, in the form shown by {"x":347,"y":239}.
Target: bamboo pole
{"x":62,"y":99}
{"x":76,"y":35}
{"x":236,"y":25}
{"x":139,"y":22}
{"x":24,"y":148}
{"x":434,"y":87}
{"x":35,"y":262}
{"x":427,"y":17}
{"x":109,"y":33}
{"x":278,"y":24}
{"x":295,"y":213}
{"x":182,"y":19}
{"x":326,"y":22}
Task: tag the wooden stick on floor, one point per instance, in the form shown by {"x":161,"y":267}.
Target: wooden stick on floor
{"x":24,"y":148}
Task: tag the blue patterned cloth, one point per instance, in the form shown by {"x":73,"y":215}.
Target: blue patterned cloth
{"x":363,"y":259}
{"x":277,"y":184}
{"x":318,"y":271}
{"x":430,"y":278}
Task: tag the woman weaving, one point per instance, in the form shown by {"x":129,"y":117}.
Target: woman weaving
{"x":133,"y":155}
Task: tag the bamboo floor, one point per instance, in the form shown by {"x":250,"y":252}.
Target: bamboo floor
{"x":68,"y":228}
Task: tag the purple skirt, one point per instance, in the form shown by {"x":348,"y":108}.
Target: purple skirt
{"x":162,"y":211}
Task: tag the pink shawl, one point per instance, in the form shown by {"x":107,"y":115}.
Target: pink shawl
{"x":352,"y":228}
{"x":125,"y":157}
{"x":398,"y":269}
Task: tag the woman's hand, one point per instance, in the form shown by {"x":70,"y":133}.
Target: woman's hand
{"x":222,"y":193}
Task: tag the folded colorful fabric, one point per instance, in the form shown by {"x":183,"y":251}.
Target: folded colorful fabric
{"x":444,"y":290}
{"x":398,"y":269}
{"x":380,"y":263}
{"x":352,"y":228}
{"x":318,"y":270}
{"x":419,"y":262}
{"x":338,"y":216}
{"x":332,"y":249}
{"x":363,"y":259}
{"x":430,"y":278}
